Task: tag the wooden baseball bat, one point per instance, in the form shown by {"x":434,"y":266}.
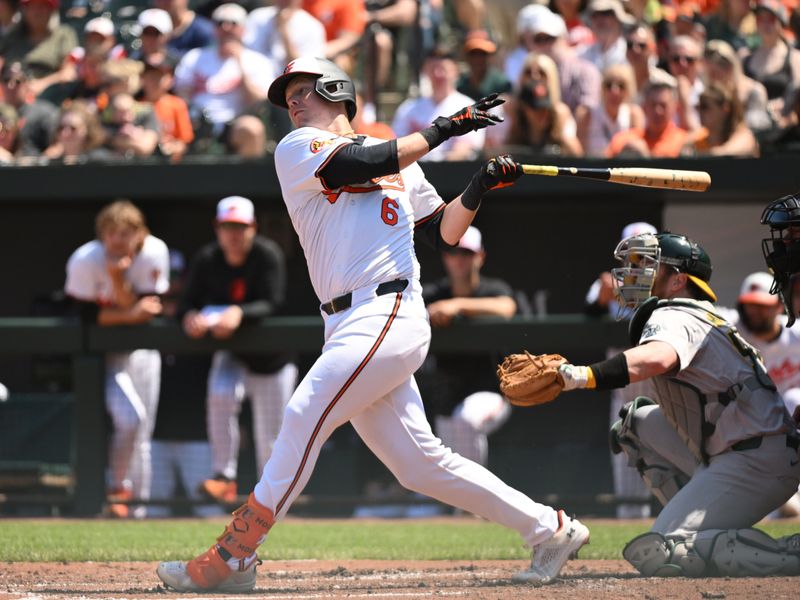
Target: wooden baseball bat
{"x":668,"y":179}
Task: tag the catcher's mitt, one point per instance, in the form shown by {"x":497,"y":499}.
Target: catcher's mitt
{"x":528,"y":380}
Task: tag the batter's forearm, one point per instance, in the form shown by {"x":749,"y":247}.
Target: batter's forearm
{"x":455,"y":221}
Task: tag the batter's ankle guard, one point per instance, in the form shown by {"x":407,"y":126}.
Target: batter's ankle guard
{"x":240,"y":540}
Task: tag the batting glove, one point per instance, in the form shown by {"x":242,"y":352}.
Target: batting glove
{"x":470,"y":118}
{"x":499,"y":172}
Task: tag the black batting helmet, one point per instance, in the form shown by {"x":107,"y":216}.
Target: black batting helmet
{"x":333,"y":83}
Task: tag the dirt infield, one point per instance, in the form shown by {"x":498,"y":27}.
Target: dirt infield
{"x":311,"y":579}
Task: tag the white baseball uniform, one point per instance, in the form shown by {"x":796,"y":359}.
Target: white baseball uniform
{"x":133,"y":378}
{"x":356,"y":238}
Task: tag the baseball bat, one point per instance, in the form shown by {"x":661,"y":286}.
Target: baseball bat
{"x":668,"y":179}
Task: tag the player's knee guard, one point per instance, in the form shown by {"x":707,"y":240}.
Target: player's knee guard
{"x":236,"y":547}
{"x":653,"y":555}
{"x":750,"y":552}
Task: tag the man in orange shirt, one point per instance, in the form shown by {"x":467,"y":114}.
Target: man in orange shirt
{"x":660,"y":138}
{"x":171,"y":111}
{"x":344,"y":21}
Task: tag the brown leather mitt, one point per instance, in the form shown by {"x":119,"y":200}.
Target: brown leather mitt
{"x":528,"y":380}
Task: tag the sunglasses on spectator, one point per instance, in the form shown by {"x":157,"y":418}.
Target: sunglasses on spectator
{"x":226,"y":22}
{"x":459,"y":252}
{"x":67,"y":127}
{"x":604,"y":13}
{"x":614,"y":83}
{"x":543,"y":38}
{"x":633,"y":45}
{"x":680,"y":58}
{"x":230,"y":226}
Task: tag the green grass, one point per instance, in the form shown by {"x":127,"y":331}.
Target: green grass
{"x":104,"y":541}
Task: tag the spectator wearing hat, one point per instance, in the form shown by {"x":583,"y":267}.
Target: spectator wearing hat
{"x":284,"y":31}
{"x":723,"y":131}
{"x":175,"y":126}
{"x":482,"y":77}
{"x":526,"y":19}
{"x":415,"y":114}
{"x":38,"y":117}
{"x":774,"y":62}
{"x":98,"y":38}
{"x":78,"y":136}
{"x":617,"y":111}
{"x":579,"y":35}
{"x":155,"y":28}
{"x":687,"y":66}
{"x":41,"y":44}
{"x":734,"y":23}
{"x":9,"y":121}
{"x":724,"y":66}
{"x":660,"y":137}
{"x":232,"y":283}
{"x":224,"y":80}
{"x":641,"y":55}
{"x":608,"y":21}
{"x":189,"y":30}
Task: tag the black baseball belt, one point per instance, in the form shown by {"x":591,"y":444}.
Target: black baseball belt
{"x":345,"y":301}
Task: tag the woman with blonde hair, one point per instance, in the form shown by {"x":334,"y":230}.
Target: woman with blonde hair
{"x":723,"y":131}
{"x":78,"y":135}
{"x":617,"y":111}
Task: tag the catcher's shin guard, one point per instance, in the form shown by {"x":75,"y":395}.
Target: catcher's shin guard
{"x":235,"y":548}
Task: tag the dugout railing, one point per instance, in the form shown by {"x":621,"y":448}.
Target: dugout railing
{"x":85,"y":346}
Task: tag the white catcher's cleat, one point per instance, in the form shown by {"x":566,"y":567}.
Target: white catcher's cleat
{"x":175,"y":577}
{"x":549,"y":557}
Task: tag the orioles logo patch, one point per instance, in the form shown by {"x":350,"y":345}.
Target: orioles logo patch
{"x":318,"y":144}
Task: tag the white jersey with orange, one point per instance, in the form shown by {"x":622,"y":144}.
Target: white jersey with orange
{"x":356,"y":235}
{"x":88,"y":279}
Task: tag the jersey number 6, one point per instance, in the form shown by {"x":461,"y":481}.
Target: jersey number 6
{"x":389,"y":208}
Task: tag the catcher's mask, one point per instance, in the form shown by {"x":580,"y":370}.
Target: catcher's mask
{"x":782,"y":249}
{"x":634,"y":280}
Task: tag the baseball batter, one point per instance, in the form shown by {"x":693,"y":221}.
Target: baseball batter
{"x":356,"y":203}
{"x":718,"y":449}
{"x":117,"y":278}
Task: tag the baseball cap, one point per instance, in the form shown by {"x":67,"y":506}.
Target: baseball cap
{"x":775,"y":7}
{"x":479,"y":40}
{"x":527,"y":15}
{"x":100,"y":25}
{"x":549,"y":23}
{"x":471,"y":240}
{"x":229,"y":13}
{"x":236,"y":209}
{"x":614,"y":6}
{"x":755,"y":290}
{"x":157,"y":19}
{"x":637,"y":228}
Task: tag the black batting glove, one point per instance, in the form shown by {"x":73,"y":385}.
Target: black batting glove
{"x":498,"y":172}
{"x":470,"y":118}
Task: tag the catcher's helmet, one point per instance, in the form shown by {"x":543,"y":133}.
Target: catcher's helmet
{"x":782,"y":249}
{"x":333,"y":83}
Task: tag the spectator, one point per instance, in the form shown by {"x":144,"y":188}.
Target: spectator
{"x":224,"y":80}
{"x":175,"y":126}
{"x":608,"y":20}
{"x":774,"y":62}
{"x":78,"y":137}
{"x":41,"y":44}
{"x":88,"y":85}
{"x":733,"y":22}
{"x":460,"y":391}
{"x":231,"y":282}
{"x":482,"y":77}
{"x":131,"y":127}
{"x":189,"y":30}
{"x":686,"y":65}
{"x":723,"y":131}
{"x":526,"y":19}
{"x":156,"y":26}
{"x":9,"y":15}
{"x":469,"y":14}
{"x":38,"y":117}
{"x":98,"y":38}
{"x":724,"y":66}
{"x":344,"y":22}
{"x":617,"y":111}
{"x":578,"y":34}
{"x":115,"y":280}
{"x":9,"y":134}
{"x":247,"y":137}
{"x":417,"y":113}
{"x":117,"y":77}
{"x":284,"y":31}
{"x":601,"y":301}
{"x":660,"y":137}
{"x":539,"y":120}
{"x":641,"y":55}
{"x":580,"y":79}
{"x":788,"y":137}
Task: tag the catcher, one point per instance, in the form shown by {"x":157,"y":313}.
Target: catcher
{"x":715,"y":444}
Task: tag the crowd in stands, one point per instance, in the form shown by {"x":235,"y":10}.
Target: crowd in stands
{"x":121,"y":80}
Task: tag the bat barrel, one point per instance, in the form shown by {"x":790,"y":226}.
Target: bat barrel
{"x":671,"y":179}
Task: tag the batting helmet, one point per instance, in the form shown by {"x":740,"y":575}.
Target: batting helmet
{"x":782,"y":249}
{"x":333,"y":84}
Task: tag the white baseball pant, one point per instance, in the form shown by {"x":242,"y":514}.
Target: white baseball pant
{"x":189,"y":461}
{"x":229,"y":382}
{"x":364,"y":376}
{"x":132,"y":387}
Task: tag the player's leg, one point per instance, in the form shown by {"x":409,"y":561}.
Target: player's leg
{"x":225,"y":395}
{"x":269,"y":395}
{"x":466,"y":431}
{"x":144,"y":367}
